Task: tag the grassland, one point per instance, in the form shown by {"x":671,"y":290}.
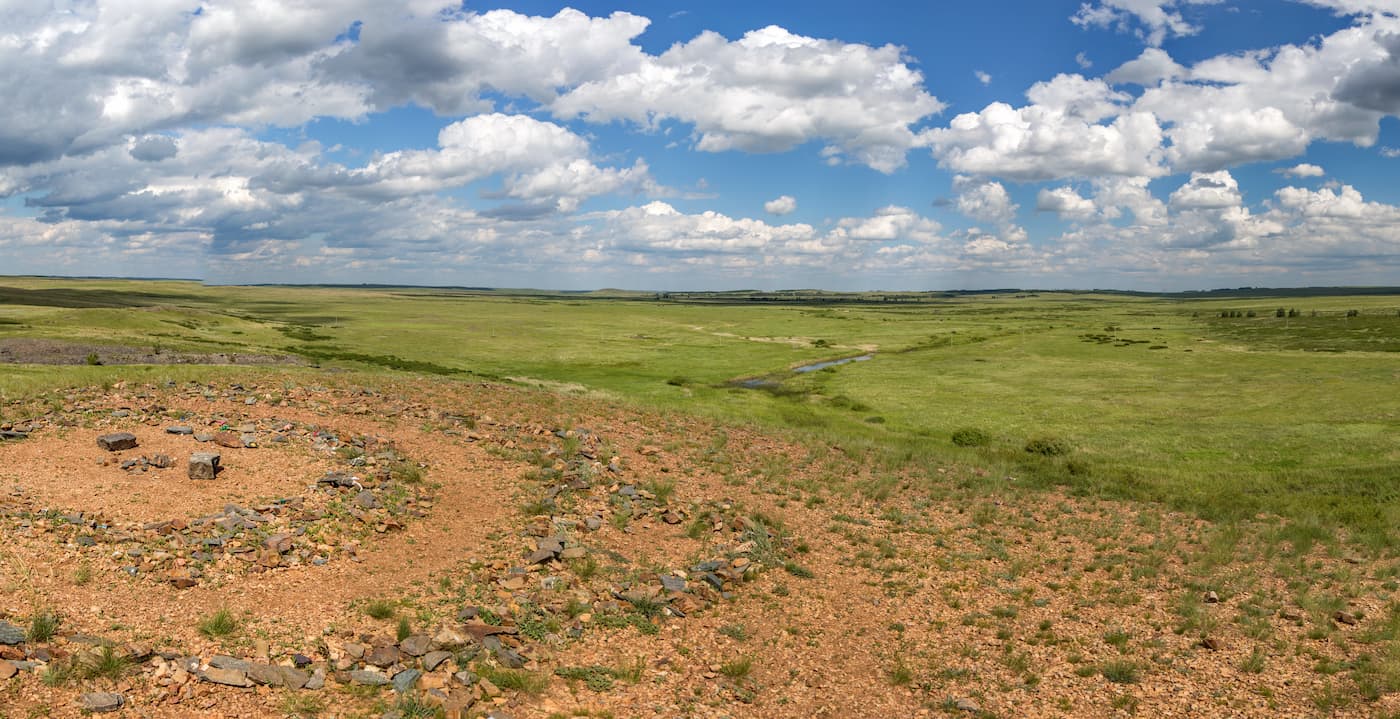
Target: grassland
{"x":1157,"y":399}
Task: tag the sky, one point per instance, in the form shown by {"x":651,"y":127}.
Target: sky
{"x":1151,"y":145}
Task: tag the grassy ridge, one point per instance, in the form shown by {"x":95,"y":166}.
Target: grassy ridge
{"x":1160,"y":399}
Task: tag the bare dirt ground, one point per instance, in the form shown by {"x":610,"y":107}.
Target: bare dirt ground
{"x":698,"y":571}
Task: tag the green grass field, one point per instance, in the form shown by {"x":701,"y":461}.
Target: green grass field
{"x":1158,"y":399}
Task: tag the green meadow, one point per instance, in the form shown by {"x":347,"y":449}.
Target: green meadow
{"x":1212,"y":404}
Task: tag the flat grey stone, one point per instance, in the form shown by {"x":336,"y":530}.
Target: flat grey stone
{"x":368,"y":678}
{"x":405,"y":680}
{"x":101,"y":702}
{"x":227,"y":677}
{"x":433,"y":660}
{"x":117,"y":441}
{"x":11,"y":634}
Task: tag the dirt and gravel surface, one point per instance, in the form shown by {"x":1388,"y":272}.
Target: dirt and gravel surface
{"x":420,"y":545}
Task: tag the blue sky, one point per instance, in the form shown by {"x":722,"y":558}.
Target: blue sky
{"x":1137,"y":144}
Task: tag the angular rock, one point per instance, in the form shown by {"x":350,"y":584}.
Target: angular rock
{"x":1346,"y":618}
{"x":226,"y":677}
{"x":273,"y":675}
{"x":317,"y":680}
{"x":1212,"y":598}
{"x":672,"y":583}
{"x":221,"y":661}
{"x":405,"y":680}
{"x":117,"y":441}
{"x":204,"y":465}
{"x":433,"y":660}
{"x":228,"y":439}
{"x":161,"y":461}
{"x":382,"y":656}
{"x":8,"y":669}
{"x":180,"y":429}
{"x":366,"y":500}
{"x":11,"y":634}
{"x":539,"y":556}
{"x":368,"y":677}
{"x":101,"y":702}
{"x":416,"y":645}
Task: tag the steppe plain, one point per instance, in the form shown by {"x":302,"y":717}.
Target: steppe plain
{"x":471,"y":503}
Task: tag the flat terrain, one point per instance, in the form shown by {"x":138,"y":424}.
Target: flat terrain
{"x":1021,"y":505}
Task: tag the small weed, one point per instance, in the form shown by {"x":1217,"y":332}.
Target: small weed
{"x":899,"y":674}
{"x":1119,"y":671}
{"x":738,"y":668}
{"x":42,"y":626}
{"x":971,"y":437}
{"x":1254,"y":663}
{"x":303,"y":705}
{"x":380,"y":609}
{"x":404,"y":629}
{"x":517,"y":679}
{"x":737,"y":632}
{"x":219,"y":624}
{"x":584,"y":567}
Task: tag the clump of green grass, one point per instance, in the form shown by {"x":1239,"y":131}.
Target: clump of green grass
{"x":1119,"y":671}
{"x":219,"y":624}
{"x":517,"y":679}
{"x":380,"y":609}
{"x":413,"y":705}
{"x":302,"y":705}
{"x":737,"y":632}
{"x":404,"y":629}
{"x":662,"y":489}
{"x":797,"y":570}
{"x":1048,"y":446}
{"x":737,"y":668}
{"x":899,"y":674}
{"x":971,"y":437}
{"x":42,"y":626}
{"x":599,"y":678}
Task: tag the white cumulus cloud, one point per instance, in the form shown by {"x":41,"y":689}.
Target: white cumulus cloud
{"x":783,"y":205}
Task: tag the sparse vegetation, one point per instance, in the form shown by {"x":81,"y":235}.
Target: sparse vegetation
{"x":221,"y":623}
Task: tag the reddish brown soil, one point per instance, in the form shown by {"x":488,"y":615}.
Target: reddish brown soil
{"x":933,"y":595}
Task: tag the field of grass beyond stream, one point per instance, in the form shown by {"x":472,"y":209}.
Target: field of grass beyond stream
{"x":959,"y":504}
{"x":1128,"y":397}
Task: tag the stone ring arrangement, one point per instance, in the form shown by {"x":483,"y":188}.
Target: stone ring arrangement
{"x":370,"y":489}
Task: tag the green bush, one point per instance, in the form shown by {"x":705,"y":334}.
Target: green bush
{"x":1048,"y":446}
{"x":971,"y":437}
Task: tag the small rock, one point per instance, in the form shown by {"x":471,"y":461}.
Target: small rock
{"x":11,"y":634}
{"x":368,"y":677}
{"x":366,"y":500}
{"x":1212,"y":598}
{"x":672,"y":583}
{"x":1210,"y":643}
{"x":117,"y":441}
{"x":226,"y":677}
{"x":416,"y":645}
{"x":204,"y":465}
{"x":433,"y":660}
{"x":1344,"y":618}
{"x":7,"y":669}
{"x":382,"y":656}
{"x":228,"y":439}
{"x":317,"y":680}
{"x":967,"y":705}
{"x":405,"y":680}
{"x":101,"y":702}
{"x":180,"y":429}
